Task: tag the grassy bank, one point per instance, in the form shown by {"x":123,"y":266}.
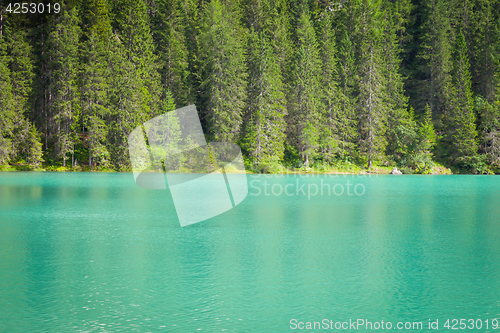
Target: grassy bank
{"x":340,"y":167}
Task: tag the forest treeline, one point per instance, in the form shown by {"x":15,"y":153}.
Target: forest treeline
{"x":301,"y":83}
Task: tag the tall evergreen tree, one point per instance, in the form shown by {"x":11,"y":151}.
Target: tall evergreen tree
{"x":435,"y":58}
{"x":7,"y":113}
{"x":330,"y":113}
{"x":25,"y":140}
{"x":96,"y":51}
{"x":347,"y":122}
{"x":191,"y":21}
{"x":171,"y":46}
{"x":265,"y":131}
{"x":372,"y":85}
{"x":63,"y":56}
{"x":224,"y":70}
{"x":426,"y":130}
{"x":461,"y":131}
{"x":484,"y":48}
{"x":280,"y":36}
{"x":305,"y":97}
{"x":131,"y":23}
{"x":489,"y":129}
{"x":402,"y":134}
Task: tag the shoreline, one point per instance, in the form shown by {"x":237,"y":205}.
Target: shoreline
{"x":302,"y":171}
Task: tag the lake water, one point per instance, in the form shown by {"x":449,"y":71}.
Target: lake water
{"x":92,"y":252}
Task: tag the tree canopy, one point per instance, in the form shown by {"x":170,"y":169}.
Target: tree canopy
{"x":376,"y":82}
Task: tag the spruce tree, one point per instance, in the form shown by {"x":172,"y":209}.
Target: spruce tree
{"x":461,"y":131}
{"x":134,"y":91}
{"x":402,"y":129}
{"x":96,"y":51}
{"x":435,"y":59}
{"x":426,"y":131}
{"x":489,"y":129}
{"x":484,"y":48}
{"x":425,"y":143}
{"x":171,"y":47}
{"x":223,"y":71}
{"x":265,"y":130}
{"x":63,"y":43}
{"x":347,"y":120}
{"x":330,"y":114}
{"x":372,"y":85}
{"x":7,"y":113}
{"x":190,"y":19}
{"x":25,"y":139}
{"x":305,"y":97}
{"x":280,"y":31}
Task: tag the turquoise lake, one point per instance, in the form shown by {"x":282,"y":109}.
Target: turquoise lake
{"x":92,"y":252}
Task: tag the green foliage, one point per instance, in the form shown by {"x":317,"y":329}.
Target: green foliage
{"x":461,"y":131}
{"x":7,"y":112}
{"x":305,"y":97}
{"x":435,"y":63}
{"x":318,"y":85}
{"x":171,"y":48}
{"x":19,"y":139}
{"x":346,"y":120}
{"x":331,"y":139}
{"x":63,"y":84}
{"x":426,"y":131}
{"x":372,"y":107}
{"x":489,"y":129}
{"x":224,"y":70}
{"x":265,"y":129}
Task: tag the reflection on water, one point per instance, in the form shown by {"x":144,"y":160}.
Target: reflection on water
{"x":93,"y":252}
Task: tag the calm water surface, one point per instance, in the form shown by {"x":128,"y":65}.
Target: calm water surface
{"x":91,"y":252}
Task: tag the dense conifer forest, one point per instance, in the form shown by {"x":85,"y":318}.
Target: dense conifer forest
{"x":302,"y":83}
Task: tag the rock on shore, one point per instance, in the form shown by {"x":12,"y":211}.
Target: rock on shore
{"x":395,"y":171}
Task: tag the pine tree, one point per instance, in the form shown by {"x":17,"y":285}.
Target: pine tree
{"x":96,"y":51}
{"x":25,"y":140}
{"x":6,"y":105}
{"x":280,"y":37}
{"x":21,"y":67}
{"x":257,"y":14}
{"x":421,"y":159}
{"x":400,"y":12}
{"x":190,"y":19}
{"x":171,"y":48}
{"x":305,"y":99}
{"x":134,"y":86}
{"x":461,"y":131}
{"x":401,"y":134}
{"x":489,"y":128}
{"x":265,"y":132}
{"x":426,"y":131}
{"x":63,"y":56}
{"x":484,"y":48}
{"x":224,"y":73}
{"x":132,"y":25}
{"x":347,"y":121}
{"x":372,"y":85}
{"x":330,"y":114}
{"x":435,"y":87}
